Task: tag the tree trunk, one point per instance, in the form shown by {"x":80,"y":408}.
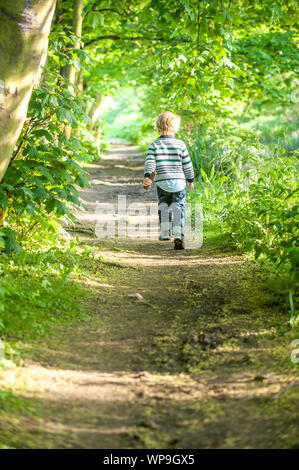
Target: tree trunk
{"x":24,"y":31}
{"x":96,"y":122}
{"x":77,"y":29}
{"x":98,"y":137}
{"x":95,"y":110}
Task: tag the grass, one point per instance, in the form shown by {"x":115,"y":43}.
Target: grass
{"x":40,"y":287}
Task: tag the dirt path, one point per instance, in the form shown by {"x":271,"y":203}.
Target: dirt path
{"x":194,"y":363}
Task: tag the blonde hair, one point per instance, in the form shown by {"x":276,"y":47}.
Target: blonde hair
{"x":168,"y":123}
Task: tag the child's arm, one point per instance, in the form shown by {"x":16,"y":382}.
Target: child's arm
{"x":150,"y":167}
{"x":187,"y":167}
{"x":147,"y":182}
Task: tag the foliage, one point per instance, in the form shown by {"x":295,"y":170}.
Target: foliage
{"x":255,"y":201}
{"x":40,"y":287}
{"x":199,"y":57}
{"x":46,"y":167}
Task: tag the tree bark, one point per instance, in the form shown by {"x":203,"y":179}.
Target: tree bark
{"x":95,"y":110}
{"x":71,"y":71}
{"x":96,"y":122}
{"x":77,"y":29}
{"x":24,"y":31}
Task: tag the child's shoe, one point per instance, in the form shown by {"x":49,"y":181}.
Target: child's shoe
{"x":163,"y":239}
{"x":178,"y":244}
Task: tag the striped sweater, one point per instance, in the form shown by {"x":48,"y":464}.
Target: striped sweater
{"x":169,"y":157}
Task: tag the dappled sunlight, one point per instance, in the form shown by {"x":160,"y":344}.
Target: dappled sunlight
{"x":93,"y":386}
{"x":187,"y":258}
{"x":135,"y":168}
{"x":122,"y":151}
{"x":117,"y":183}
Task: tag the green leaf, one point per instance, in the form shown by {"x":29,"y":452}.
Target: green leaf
{"x":9,"y":237}
{"x":258,"y":251}
{"x":83,"y":56}
{"x":60,"y":208}
{"x":191,"y":81}
{"x":28,"y":192}
{"x":3,"y":201}
{"x":64,"y":114}
{"x":43,"y":133}
{"x":95,"y":19}
{"x":50,"y":205}
{"x":31,"y":208}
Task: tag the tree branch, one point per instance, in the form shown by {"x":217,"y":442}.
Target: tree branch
{"x":115,"y":37}
{"x":107,"y":9}
{"x":198,"y":26}
{"x":113,"y":10}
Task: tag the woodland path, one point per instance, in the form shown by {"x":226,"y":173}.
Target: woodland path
{"x":194,"y":363}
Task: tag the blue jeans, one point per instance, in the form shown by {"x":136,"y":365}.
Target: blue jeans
{"x":171,"y":210}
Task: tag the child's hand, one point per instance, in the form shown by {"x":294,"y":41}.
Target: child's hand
{"x":147,"y":182}
{"x":191,"y":186}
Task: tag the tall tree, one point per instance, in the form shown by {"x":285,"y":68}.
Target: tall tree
{"x":24,"y":31}
{"x":77,"y":29}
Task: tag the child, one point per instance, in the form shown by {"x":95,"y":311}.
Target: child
{"x":168,"y":157}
